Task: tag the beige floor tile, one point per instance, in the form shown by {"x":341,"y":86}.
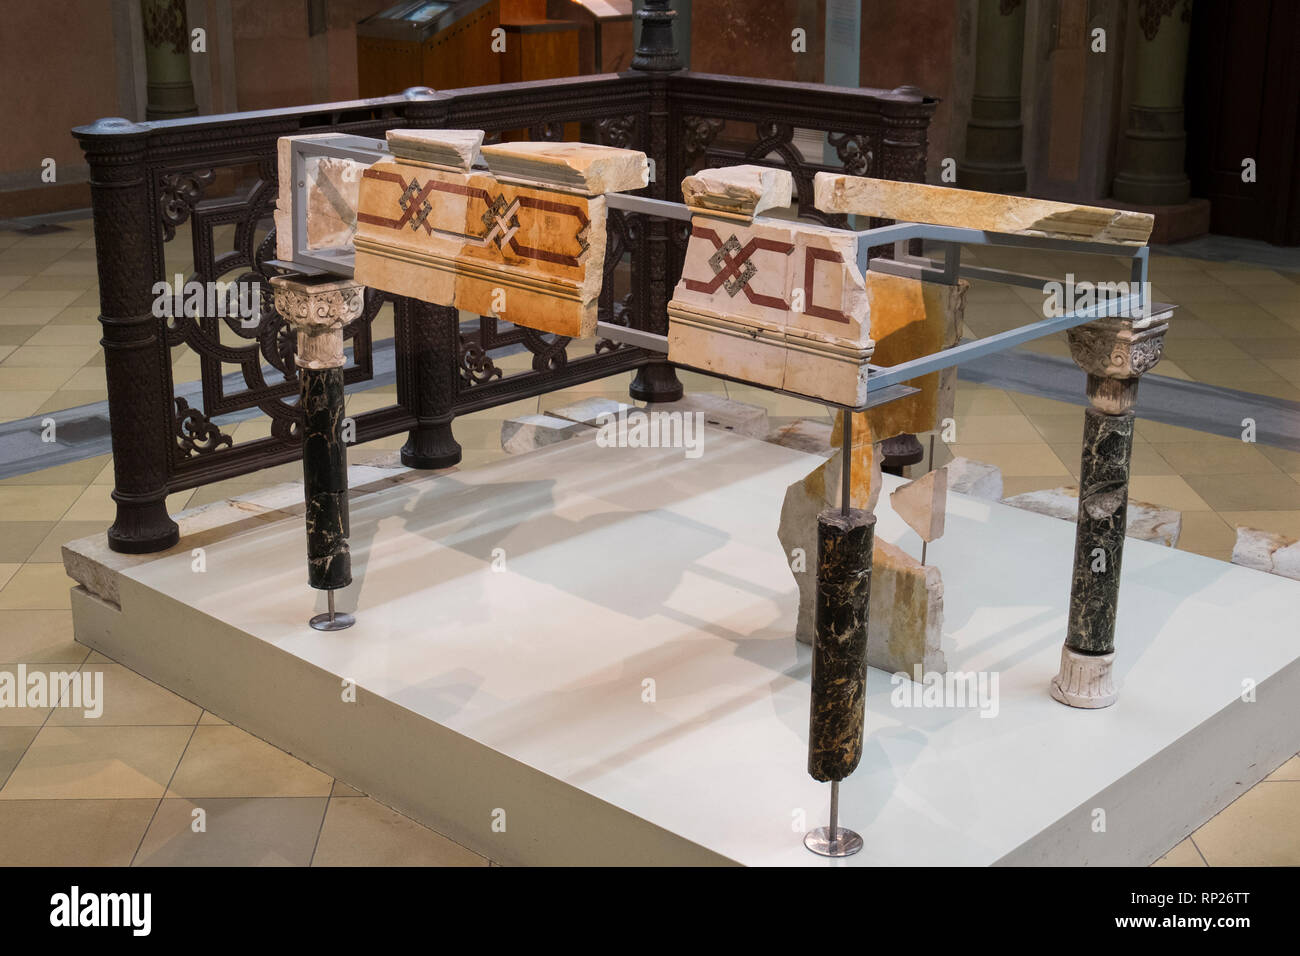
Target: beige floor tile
{"x":361,"y":832}
{"x":13,"y":379}
{"x":50,"y":548}
{"x":65,"y":763}
{"x":1288,"y":771}
{"x":1168,"y":491}
{"x":25,"y":403}
{"x":87,"y":378}
{"x":1247,"y":492}
{"x":211,"y":719}
{"x":57,"y":336}
{"x":1184,"y":854}
{"x":37,"y":587}
{"x":72,"y":832}
{"x":1033,"y":405}
{"x":982,"y":429}
{"x":1016,"y":459}
{"x":228,"y":762}
{"x":245,"y":831}
{"x":978,"y":400}
{"x":66,"y":399}
{"x":1278,"y":522}
{"x":49,"y":356}
{"x":1205,"y":532}
{"x":1260,"y":828}
{"x":1179,"y":349}
{"x":18,"y":539}
{"x":39,"y":637}
{"x":1217,"y":458}
{"x":1158,"y":433}
{"x":128,"y":700}
{"x":73,"y":473}
{"x":26,"y":315}
{"x":33,"y":298}
{"x":14,"y":741}
{"x":341,"y":789}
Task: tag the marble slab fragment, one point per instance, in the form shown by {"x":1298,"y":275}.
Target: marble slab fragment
{"x":453,"y":149}
{"x":1144,"y":520}
{"x":329,"y":189}
{"x":773,"y":302}
{"x":740,"y":191}
{"x":582,"y":168}
{"x":978,"y":479}
{"x":991,"y":212}
{"x":1266,"y":551}
{"x":923,"y":503}
{"x":530,"y":432}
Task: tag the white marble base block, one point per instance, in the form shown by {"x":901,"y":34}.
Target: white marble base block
{"x":530,"y":432}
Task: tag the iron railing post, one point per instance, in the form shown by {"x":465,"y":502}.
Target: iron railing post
{"x":135,"y":349}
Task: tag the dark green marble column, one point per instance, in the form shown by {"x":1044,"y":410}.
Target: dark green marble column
{"x":318,"y":308}
{"x":325,"y":479}
{"x":1114,"y":352}
{"x":839,"y":665}
{"x":1099,"y":537}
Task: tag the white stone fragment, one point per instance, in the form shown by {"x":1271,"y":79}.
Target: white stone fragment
{"x":978,"y":479}
{"x":589,"y":410}
{"x":1145,"y":521}
{"x":530,"y":432}
{"x":1268,"y":552}
{"x":721,"y":412}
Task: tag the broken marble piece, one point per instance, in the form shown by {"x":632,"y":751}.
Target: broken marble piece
{"x":968,"y":209}
{"x":864,"y":460}
{"x":905,"y":623}
{"x":777,"y":303}
{"x":977,"y":479}
{"x":530,"y":432}
{"x":456,"y":150}
{"x":1265,"y":551}
{"x":580,"y":168}
{"x":589,"y":411}
{"x":721,"y":412}
{"x":329,"y":190}
{"x":909,"y":320}
{"x":839,"y":659}
{"x":486,"y":243}
{"x":739,"y":191}
{"x":1144,"y":520}
{"x":923,"y":503}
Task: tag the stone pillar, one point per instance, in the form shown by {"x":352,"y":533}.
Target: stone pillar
{"x":994,"y":132}
{"x":318,"y":308}
{"x":1114,"y":352}
{"x":839,"y":663}
{"x":170,"y":90}
{"x":1151,"y":170}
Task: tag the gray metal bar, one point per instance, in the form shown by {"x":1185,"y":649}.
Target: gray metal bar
{"x":650,"y":207}
{"x":930,"y":270}
{"x":895,"y":374}
{"x":626,"y":336}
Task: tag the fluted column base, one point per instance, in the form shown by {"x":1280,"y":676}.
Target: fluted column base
{"x":1085,"y":680}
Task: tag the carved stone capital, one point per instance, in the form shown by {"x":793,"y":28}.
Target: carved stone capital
{"x":318,"y":308}
{"x":1117,"y":347}
{"x":1116,"y":352}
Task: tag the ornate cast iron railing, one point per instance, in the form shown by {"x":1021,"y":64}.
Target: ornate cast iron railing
{"x":150,"y":179}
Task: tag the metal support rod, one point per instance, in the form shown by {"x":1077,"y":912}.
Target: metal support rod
{"x":846,"y":468}
{"x":835,"y":812}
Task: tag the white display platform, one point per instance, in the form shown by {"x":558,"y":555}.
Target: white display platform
{"x":521,"y":689}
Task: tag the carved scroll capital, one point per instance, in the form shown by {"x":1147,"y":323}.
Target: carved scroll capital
{"x":317,"y":309}
{"x":1116,"y":352}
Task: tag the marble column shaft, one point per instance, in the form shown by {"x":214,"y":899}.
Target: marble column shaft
{"x":325,"y":479}
{"x":318,"y":309}
{"x":839,"y":666}
{"x":1099,"y":534}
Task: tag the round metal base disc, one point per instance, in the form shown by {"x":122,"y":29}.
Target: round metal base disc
{"x":846,"y":842}
{"x":322,"y":622}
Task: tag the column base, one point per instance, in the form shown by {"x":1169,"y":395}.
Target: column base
{"x":143,"y":525}
{"x":1085,"y":680}
{"x":431,"y":447}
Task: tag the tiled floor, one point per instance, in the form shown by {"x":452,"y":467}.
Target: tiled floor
{"x":157,"y":781}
